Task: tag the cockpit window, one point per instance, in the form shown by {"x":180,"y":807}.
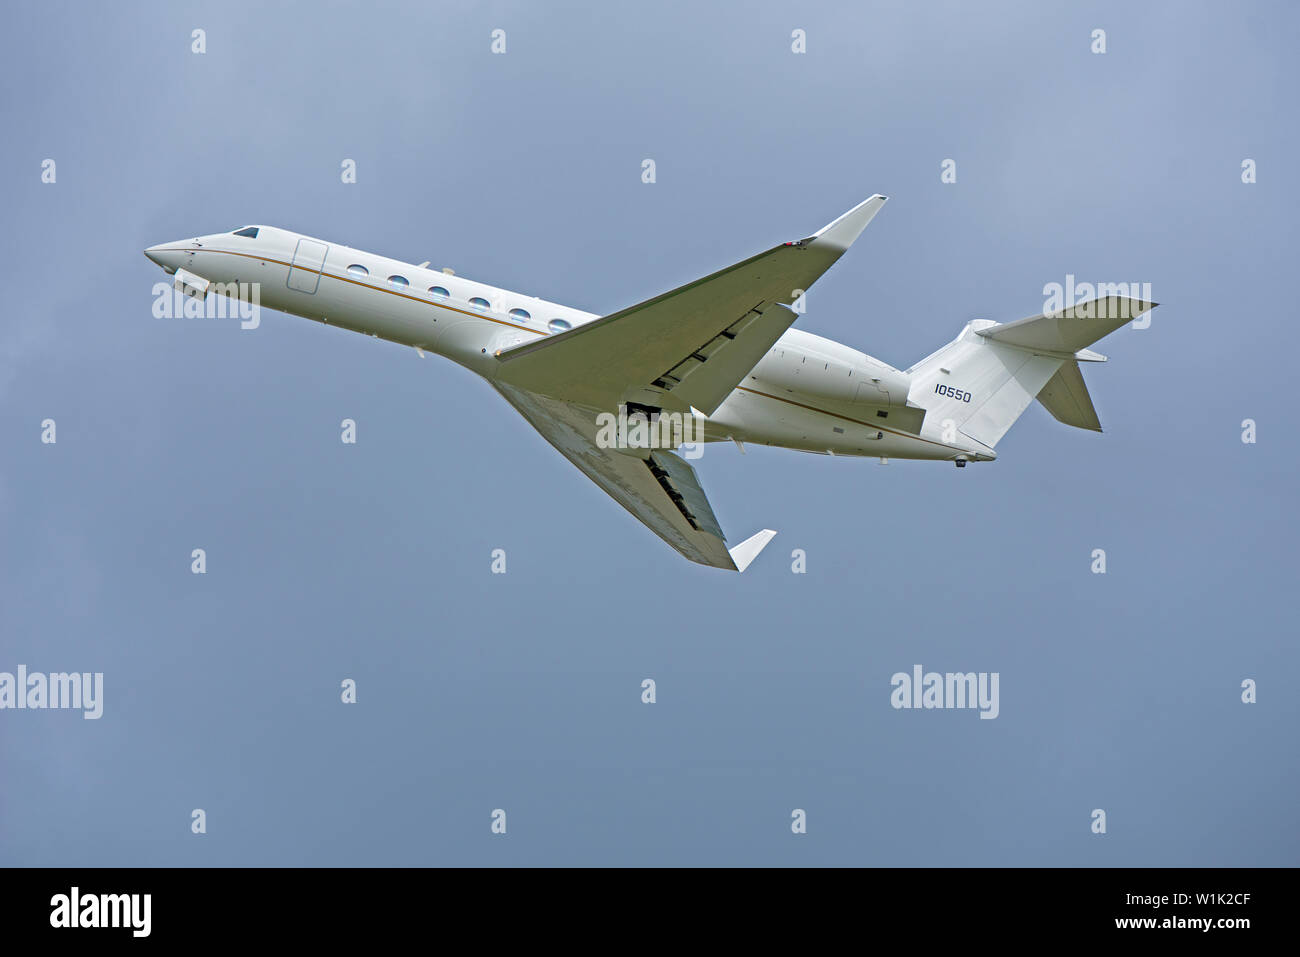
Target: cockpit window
{"x":249,"y":231}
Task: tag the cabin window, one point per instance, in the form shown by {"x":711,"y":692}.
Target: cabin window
{"x":480,"y":303}
{"x":398,"y":281}
{"x":521,"y":314}
{"x":558,"y":325}
{"x":356,"y":270}
{"x":249,"y":231}
{"x":437,"y":292}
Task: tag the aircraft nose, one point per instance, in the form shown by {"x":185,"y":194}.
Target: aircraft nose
{"x":154,"y":253}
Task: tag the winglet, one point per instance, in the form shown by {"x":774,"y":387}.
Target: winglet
{"x":842,"y":232}
{"x":748,"y":550}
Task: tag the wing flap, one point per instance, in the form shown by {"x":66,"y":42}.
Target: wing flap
{"x":676,"y":477}
{"x":704,"y":379}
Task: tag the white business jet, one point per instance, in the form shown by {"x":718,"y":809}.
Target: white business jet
{"x":713,"y":360}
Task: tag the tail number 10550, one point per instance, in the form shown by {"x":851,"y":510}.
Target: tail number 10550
{"x":952,"y":393}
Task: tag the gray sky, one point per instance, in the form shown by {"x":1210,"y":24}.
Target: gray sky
{"x":477,"y":691}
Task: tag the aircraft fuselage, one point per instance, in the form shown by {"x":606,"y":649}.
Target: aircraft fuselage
{"x":807,"y":393}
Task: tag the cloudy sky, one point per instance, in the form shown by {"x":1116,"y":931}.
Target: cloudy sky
{"x":325,"y":561}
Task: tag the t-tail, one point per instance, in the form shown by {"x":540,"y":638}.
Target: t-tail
{"x":975,"y":387}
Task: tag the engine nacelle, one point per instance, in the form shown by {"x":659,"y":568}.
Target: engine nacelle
{"x":879,"y":384}
{"x":841,"y":375}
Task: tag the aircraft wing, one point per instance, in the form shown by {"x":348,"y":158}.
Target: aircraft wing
{"x":658,"y":487}
{"x":688,"y":347}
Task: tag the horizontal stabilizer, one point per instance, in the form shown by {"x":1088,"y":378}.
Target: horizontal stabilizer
{"x":1066,"y":397}
{"x":1071,"y":329}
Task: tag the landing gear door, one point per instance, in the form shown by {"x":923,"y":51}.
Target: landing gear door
{"x":304,"y":272}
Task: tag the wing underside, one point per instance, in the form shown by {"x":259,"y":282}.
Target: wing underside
{"x":661,"y":489}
